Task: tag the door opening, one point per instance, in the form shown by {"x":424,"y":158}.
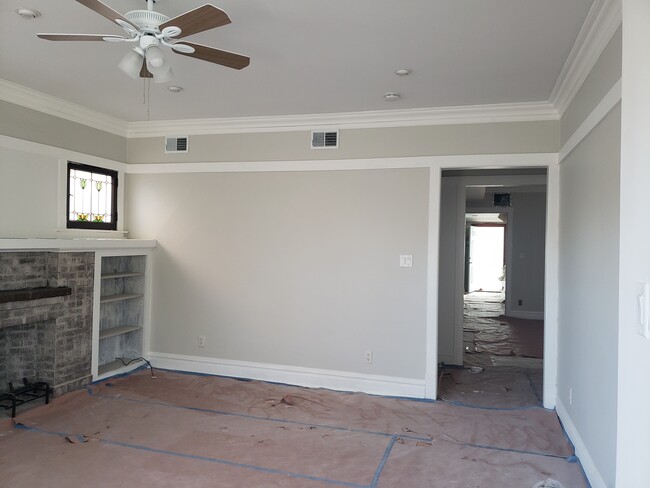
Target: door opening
{"x":491,"y":289}
{"x":485,"y":257}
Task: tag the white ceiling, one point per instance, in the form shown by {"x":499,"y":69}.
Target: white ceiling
{"x":307,"y":57}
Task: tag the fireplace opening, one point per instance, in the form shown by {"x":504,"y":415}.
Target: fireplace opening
{"x":27,"y":351}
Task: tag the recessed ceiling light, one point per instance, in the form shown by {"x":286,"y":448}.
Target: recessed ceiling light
{"x":403,"y":72}
{"x":175,"y":89}
{"x":28,"y":13}
{"x":391,"y":96}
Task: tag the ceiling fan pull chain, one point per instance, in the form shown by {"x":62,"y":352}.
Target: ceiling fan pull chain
{"x":148,"y":97}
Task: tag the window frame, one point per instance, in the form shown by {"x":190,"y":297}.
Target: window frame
{"x":76,"y":224}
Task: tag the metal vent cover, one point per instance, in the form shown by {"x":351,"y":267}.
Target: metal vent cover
{"x":176,"y":144}
{"x":325,"y":139}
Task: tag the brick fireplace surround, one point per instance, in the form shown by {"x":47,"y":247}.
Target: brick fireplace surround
{"x":47,"y":339}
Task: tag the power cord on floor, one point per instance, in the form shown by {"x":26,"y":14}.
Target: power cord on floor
{"x":126,"y":363}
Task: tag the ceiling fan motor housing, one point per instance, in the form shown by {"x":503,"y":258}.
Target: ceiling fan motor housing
{"x":147,"y":20}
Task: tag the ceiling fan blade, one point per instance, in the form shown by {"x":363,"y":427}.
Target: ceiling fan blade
{"x":217,"y":56}
{"x":79,"y":37}
{"x":144,"y":72}
{"x":198,"y":20}
{"x":106,"y":11}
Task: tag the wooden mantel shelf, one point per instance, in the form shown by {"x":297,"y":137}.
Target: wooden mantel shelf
{"x":26,"y":294}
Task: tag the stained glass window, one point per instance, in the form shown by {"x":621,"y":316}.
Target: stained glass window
{"x":92,"y":197}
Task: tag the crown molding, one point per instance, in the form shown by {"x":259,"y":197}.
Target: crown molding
{"x":603,"y":19}
{"x":601,"y":23}
{"x":471,"y":114}
{"x":42,"y":102}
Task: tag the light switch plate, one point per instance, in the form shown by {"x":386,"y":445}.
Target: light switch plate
{"x":406,"y":261}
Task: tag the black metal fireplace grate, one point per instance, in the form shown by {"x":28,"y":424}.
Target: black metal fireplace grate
{"x":26,"y":393}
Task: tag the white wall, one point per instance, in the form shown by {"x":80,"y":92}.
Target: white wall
{"x":633,"y":446}
{"x":299,"y":269}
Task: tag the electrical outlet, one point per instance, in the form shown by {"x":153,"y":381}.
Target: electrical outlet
{"x":520,"y":302}
{"x":406,"y":260}
{"x":200,"y":341}
{"x":369,"y":357}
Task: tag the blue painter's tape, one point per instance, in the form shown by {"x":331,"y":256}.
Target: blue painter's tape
{"x":263,"y":419}
{"x":383,"y":461}
{"x":205,"y":458}
{"x":345,"y":429}
{"x":517,"y":451}
{"x":121,"y":375}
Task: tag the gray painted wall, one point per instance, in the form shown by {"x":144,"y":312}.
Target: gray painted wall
{"x":528,"y":250}
{"x":588,"y":303}
{"x":450,"y":283}
{"x":297,"y":268}
{"x":589,"y":267}
{"x":31,"y":125}
{"x":499,"y":138}
{"x":28,"y":194}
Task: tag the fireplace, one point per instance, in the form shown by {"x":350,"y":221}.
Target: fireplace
{"x":46,"y":301}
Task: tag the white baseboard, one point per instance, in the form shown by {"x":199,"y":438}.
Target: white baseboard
{"x":523,"y":314}
{"x":591,"y":470}
{"x":293,"y":375}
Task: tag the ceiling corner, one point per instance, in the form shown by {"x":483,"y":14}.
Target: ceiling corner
{"x":42,"y":102}
{"x":604,"y":18}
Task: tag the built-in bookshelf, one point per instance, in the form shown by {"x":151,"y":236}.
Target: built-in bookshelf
{"x":121,"y":315}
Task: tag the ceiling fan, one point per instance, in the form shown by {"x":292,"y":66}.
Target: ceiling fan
{"x":149,"y":30}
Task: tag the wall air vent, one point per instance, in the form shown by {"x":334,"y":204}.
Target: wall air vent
{"x":325,"y":139}
{"x":502,"y":200}
{"x":176,"y":144}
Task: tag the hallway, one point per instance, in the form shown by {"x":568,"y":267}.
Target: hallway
{"x":502,"y":360}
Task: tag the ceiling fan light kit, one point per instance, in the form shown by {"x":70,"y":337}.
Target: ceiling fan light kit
{"x":131,"y":64}
{"x":149,"y":30}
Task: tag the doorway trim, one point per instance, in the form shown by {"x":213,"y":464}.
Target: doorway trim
{"x":550,"y":162}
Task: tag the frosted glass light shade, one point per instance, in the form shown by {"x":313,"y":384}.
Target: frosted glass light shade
{"x":164,"y":76}
{"x":155,"y":58}
{"x":131,"y":64}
